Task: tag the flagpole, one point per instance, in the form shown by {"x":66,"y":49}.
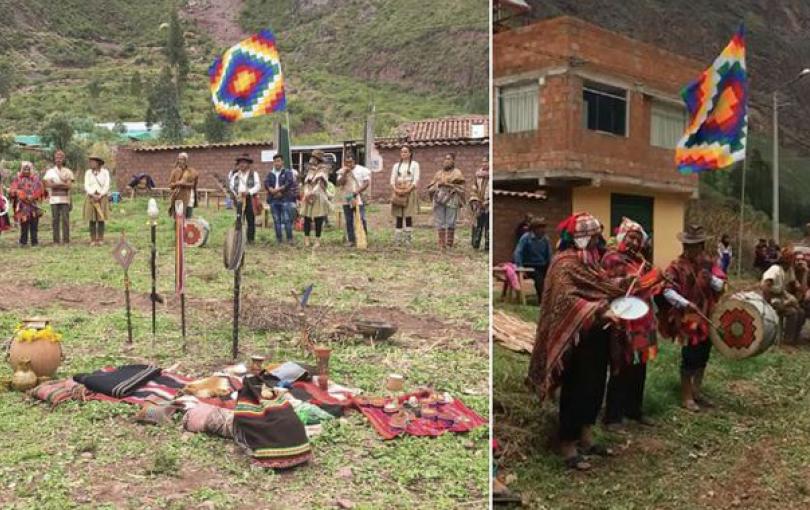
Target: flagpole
{"x":742,"y":216}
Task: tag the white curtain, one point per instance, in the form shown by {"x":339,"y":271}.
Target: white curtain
{"x":518,"y":108}
{"x":667,"y":125}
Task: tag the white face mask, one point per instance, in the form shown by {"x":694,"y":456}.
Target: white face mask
{"x":582,"y":242}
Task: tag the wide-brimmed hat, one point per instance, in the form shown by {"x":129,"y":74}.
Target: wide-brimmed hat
{"x":693,"y":234}
{"x":97,"y":158}
{"x":244,"y":157}
{"x":318,"y":154}
{"x":537,"y":222}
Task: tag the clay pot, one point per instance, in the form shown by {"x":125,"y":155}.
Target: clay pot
{"x":24,"y":378}
{"x":45,"y":356}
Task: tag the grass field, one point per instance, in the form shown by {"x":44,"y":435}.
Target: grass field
{"x":752,"y":451}
{"x":90,"y":455}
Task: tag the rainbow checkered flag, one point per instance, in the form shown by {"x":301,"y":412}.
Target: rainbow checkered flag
{"x":717,"y":103}
{"x":246,"y":81}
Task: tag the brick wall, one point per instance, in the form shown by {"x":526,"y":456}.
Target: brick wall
{"x":468,"y":159}
{"x":207,"y":161}
{"x":509,"y":211}
{"x":219,"y":160}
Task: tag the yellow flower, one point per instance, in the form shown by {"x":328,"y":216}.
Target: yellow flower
{"x":33,"y":335}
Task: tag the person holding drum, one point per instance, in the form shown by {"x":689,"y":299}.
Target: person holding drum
{"x":571,"y":350}
{"x":633,"y":343}
{"x":782,"y":291}
{"x":694,"y":285}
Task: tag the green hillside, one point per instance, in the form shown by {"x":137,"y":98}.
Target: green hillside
{"x":82,"y":57}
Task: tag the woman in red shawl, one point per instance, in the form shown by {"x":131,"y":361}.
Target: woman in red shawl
{"x":694,"y":284}
{"x":634,"y":342}
{"x":26,"y":190}
{"x":571,"y":349}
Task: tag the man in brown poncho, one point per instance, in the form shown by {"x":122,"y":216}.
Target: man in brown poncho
{"x":571,"y":349}
{"x":183,"y":184}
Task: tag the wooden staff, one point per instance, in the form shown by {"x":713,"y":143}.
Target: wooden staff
{"x":237,"y":284}
{"x":129,"y":313}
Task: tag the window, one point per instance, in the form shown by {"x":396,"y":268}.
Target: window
{"x":667,"y":124}
{"x":517,"y":108}
{"x":604,"y":108}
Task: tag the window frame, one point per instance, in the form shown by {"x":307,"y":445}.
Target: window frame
{"x":658,"y":103}
{"x":592,"y":86}
{"x":525,"y":84}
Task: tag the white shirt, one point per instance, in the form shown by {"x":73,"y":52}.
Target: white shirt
{"x":277,"y":174}
{"x":97,"y":183}
{"x":239,"y":183}
{"x":59,"y":176}
{"x":778,"y":276}
{"x":405,"y":173}
{"x":361,"y":174}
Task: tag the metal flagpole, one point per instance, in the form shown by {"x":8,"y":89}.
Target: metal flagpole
{"x":742,"y":216}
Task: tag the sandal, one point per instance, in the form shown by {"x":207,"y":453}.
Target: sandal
{"x":599,"y":449}
{"x":701,"y":401}
{"x":690,"y":405}
{"x":577,"y":462}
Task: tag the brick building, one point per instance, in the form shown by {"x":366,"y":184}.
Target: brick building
{"x":590,"y":118}
{"x":431,"y":139}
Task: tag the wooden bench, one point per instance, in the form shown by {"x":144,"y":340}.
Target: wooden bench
{"x":508,"y":294}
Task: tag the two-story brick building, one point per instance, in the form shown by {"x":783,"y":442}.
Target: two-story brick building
{"x":589,"y":118}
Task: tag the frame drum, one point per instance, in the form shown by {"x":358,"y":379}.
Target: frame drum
{"x":196,"y":232}
{"x":747,"y":325}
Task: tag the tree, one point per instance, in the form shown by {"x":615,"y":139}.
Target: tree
{"x":136,"y":85}
{"x":163,"y":107}
{"x":94,"y":88}
{"x":176,"y":50}
{"x":57,"y":130}
{"x":215,"y":129}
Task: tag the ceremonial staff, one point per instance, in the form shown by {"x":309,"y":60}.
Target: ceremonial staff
{"x":153,"y":212}
{"x":237,"y":279}
{"x":123,"y":253}
{"x":179,"y":265}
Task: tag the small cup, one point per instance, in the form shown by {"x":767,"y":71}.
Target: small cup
{"x":256,"y":363}
{"x":395,"y":382}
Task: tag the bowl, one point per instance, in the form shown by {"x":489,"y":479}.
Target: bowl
{"x":375,"y":330}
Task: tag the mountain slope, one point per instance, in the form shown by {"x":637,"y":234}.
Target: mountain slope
{"x":81,"y":57}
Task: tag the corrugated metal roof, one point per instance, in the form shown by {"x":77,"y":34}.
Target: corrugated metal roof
{"x":520,"y":194}
{"x":445,"y":128}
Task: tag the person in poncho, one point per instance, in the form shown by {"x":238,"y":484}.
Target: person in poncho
{"x":316,"y":206}
{"x":571,"y":347}
{"x":633,"y":343}
{"x":183,"y":185}
{"x":694,"y":285}
{"x":448,"y":195}
{"x":26,"y":192}
{"x":96,"y":201}
{"x":404,"y":200}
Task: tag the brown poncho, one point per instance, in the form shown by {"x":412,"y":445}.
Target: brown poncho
{"x":575,"y":290}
